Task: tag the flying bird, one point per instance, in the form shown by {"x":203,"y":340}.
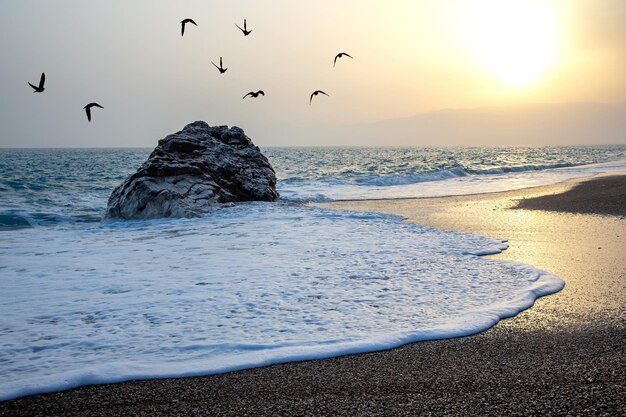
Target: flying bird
{"x":183,"y":23}
{"x":221,"y":67}
{"x":340,"y":55}
{"x":245,"y":30}
{"x":316,"y":93}
{"x":39,"y":88}
{"x":253,"y":94}
{"x":88,"y":109}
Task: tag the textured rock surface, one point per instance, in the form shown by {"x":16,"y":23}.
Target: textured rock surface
{"x":191,"y":170}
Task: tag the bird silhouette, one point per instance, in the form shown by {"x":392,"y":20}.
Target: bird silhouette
{"x":39,"y":88}
{"x":253,"y":94}
{"x":340,"y":55}
{"x":245,"y":30}
{"x":88,"y":109}
{"x":221,"y":67}
{"x":183,"y":23}
{"x":316,"y":92}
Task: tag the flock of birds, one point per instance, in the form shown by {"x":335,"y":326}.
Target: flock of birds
{"x":40,"y":88}
{"x":246,"y":32}
{"x":253,"y":94}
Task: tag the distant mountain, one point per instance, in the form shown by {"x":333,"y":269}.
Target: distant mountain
{"x":529,"y":124}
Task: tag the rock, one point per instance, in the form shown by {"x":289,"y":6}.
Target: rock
{"x":192,"y":170}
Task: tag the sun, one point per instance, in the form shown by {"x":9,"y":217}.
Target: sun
{"x":514,"y":39}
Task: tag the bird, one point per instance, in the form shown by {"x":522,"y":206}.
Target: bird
{"x":183,"y":23}
{"x":221,"y":67}
{"x":245,"y":30}
{"x":40,"y":88}
{"x":88,"y":109}
{"x":316,"y":92}
{"x":253,"y":94}
{"x":340,"y":55}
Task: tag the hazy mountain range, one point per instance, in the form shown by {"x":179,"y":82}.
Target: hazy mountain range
{"x":529,"y":124}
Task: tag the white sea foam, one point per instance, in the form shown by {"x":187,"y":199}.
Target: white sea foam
{"x":256,"y":284}
{"x":440,"y":183}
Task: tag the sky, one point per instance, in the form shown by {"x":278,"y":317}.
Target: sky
{"x":411,"y":57}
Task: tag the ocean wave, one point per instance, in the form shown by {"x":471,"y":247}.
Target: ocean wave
{"x":411,"y":178}
{"x":15,"y":220}
{"x":10,"y":221}
{"x":159,"y":298}
{"x":519,"y":168}
{"x":441,"y":183}
{"x":387,"y":180}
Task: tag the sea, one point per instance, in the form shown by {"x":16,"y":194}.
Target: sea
{"x":86,"y":301}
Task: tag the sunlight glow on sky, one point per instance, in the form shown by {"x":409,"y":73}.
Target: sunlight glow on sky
{"x":515,"y":39}
{"x":410,"y":57}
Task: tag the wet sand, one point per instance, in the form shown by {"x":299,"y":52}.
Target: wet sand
{"x":564,"y":356}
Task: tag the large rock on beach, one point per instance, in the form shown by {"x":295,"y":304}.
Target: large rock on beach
{"x":192,"y":170}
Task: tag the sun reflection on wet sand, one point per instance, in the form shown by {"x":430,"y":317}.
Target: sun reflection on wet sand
{"x":586,"y":251}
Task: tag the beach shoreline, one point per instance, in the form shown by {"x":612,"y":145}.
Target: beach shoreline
{"x":565,"y":355}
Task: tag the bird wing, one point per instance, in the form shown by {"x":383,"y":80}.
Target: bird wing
{"x":335,"y":61}
{"x":191,"y":21}
{"x":311,"y":98}
{"x":261,"y":92}
{"x":348,"y":55}
{"x":221,"y":66}
{"x":215,"y":65}
{"x":320,"y":91}
{"x":240,"y":28}
{"x":245,"y":24}
{"x":96,"y":105}
{"x":42,"y":80}
{"x":182,"y":29}
{"x":88,"y":111}
{"x":34,"y":88}
{"x":249,"y":94}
